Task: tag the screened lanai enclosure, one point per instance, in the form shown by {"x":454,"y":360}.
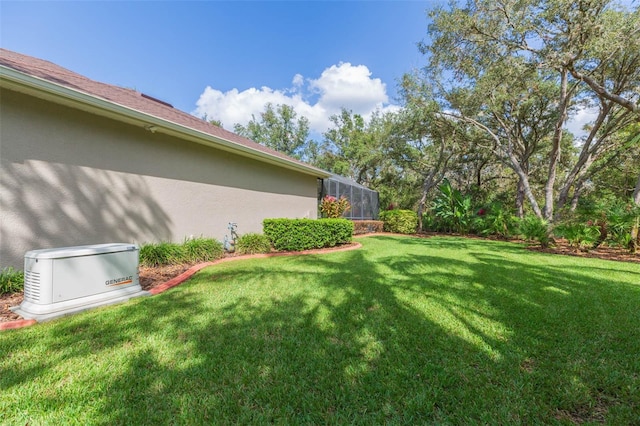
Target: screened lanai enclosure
{"x":365,"y":204}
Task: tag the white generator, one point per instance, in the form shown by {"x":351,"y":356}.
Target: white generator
{"x":65,"y":280}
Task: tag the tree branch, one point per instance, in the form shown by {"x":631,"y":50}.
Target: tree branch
{"x":601,"y":91}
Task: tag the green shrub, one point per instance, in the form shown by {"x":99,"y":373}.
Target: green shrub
{"x":620,"y":220}
{"x":202,"y":250}
{"x":253,"y":243}
{"x":304,"y":234}
{"x":164,"y":253}
{"x":579,"y":235}
{"x":400,"y":221}
{"x":495,"y":220}
{"x":533,"y":228}
{"x":428,"y":222}
{"x":11,"y":281}
{"x":453,"y":210}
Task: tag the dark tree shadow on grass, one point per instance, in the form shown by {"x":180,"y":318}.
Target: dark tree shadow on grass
{"x":381,"y":338}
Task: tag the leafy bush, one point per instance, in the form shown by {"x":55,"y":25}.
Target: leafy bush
{"x":400,"y":221}
{"x":429,"y":222}
{"x":11,"y":281}
{"x":495,"y":220}
{"x":616,"y":221}
{"x":202,"y":250}
{"x":333,"y":208}
{"x":159,"y":254}
{"x":367,"y":226}
{"x":620,"y":220}
{"x":304,"y":234}
{"x":579,"y":235}
{"x":253,"y":243}
{"x":452,"y":209}
{"x":533,"y":228}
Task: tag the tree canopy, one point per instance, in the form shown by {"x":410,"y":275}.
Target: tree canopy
{"x":279,"y":128}
{"x":486,"y":118}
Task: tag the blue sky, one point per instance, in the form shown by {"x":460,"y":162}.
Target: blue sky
{"x":227,"y":59}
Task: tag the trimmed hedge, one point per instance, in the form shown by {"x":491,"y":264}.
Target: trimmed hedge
{"x":367,"y":226}
{"x":400,"y":221}
{"x":305,"y":234}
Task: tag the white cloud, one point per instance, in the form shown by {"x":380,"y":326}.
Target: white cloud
{"x":345,"y":84}
{"x":298,"y":80}
{"x":582,"y":117}
{"x":342,"y":85}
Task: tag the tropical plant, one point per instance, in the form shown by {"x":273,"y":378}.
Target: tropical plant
{"x":579,"y":235}
{"x":495,"y":220}
{"x":534,"y":228}
{"x":453,"y":209}
{"x":333,"y":208}
{"x":620,"y":220}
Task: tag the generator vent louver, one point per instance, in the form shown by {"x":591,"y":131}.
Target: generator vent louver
{"x":32,"y":286}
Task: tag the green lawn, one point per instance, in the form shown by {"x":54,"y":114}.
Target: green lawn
{"x":402,"y":331}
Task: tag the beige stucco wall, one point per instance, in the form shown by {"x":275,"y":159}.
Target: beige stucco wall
{"x":71,"y":178}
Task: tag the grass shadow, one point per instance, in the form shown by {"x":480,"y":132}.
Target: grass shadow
{"x":401,"y":331}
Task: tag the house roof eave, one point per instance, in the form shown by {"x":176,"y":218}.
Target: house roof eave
{"x":12,"y":79}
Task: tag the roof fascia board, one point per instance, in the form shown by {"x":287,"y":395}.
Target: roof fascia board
{"x":15,"y":80}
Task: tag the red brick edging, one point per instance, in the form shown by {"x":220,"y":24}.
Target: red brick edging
{"x":16,"y":324}
{"x":175,"y":281}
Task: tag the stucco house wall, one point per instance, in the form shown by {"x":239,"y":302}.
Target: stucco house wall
{"x":69,"y":177}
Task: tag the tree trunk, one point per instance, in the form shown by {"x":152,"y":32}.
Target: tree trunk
{"x":506,"y":156}
{"x":421,"y":204}
{"x":584,"y":160}
{"x":635,"y":233}
{"x":526,"y":188}
{"x":428,"y":183}
{"x":576,"y":195}
{"x":436,"y":174}
{"x":479,"y":173}
{"x":554,"y":157}
{"x":520,"y":200}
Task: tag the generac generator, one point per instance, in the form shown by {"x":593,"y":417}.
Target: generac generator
{"x":65,"y":280}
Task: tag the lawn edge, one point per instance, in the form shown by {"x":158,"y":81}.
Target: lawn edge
{"x":191,"y":271}
{"x":177,"y":280}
